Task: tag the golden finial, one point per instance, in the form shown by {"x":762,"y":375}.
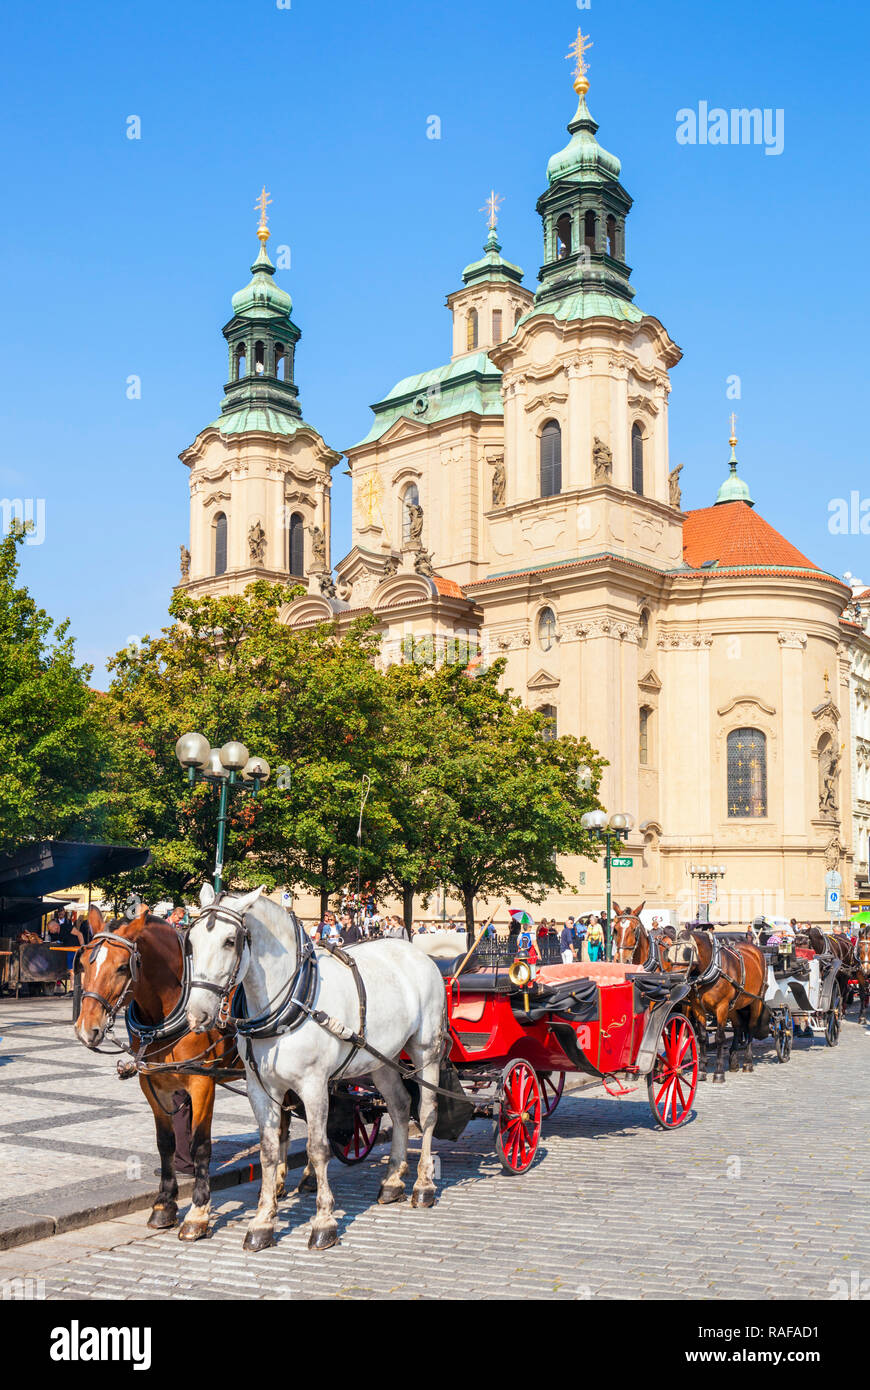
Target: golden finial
{"x":262,"y":204}
{"x":733,"y":438}
{"x":491,"y":207}
{"x":578,"y":52}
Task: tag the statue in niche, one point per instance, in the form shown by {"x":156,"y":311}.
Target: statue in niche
{"x":318,"y":549}
{"x":499,"y":480}
{"x":256,"y":543}
{"x":415,"y":525}
{"x":829,"y":778}
{"x":391,"y":566}
{"x":185,"y":562}
{"x":602,"y":460}
{"x":674,"y":485}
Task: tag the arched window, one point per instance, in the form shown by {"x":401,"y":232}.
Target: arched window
{"x":296,"y":555}
{"x":280,"y":362}
{"x":220,"y":543}
{"x":637,"y":459}
{"x":517,"y":316}
{"x":547,"y":629}
{"x":551,"y":459}
{"x":611,"y":236}
{"x":241,"y":361}
{"x":410,"y":498}
{"x":643,"y":635}
{"x":550,"y":729}
{"x":471,"y":330}
{"x":747,"y":773}
{"x":496,"y":325}
{"x":643,"y":749}
{"x":259,"y":358}
{"x":589,"y":230}
{"x":563,"y":237}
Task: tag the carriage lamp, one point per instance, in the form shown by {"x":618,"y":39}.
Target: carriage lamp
{"x":231,"y":768}
{"x":607,"y":829}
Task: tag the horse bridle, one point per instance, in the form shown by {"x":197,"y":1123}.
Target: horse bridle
{"x":134,"y":962}
{"x":219,"y":912}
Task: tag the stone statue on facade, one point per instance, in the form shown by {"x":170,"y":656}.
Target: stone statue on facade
{"x":829,"y":778}
{"x":185,"y":562}
{"x":499,"y":480}
{"x":327,"y":584}
{"x":256,"y":543}
{"x":391,"y":566}
{"x":674,"y":485}
{"x":415,"y":526}
{"x":602,"y":461}
{"x":423,"y":564}
{"x":318,"y":548}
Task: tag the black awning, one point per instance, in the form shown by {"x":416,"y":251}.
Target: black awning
{"x":49,"y":866}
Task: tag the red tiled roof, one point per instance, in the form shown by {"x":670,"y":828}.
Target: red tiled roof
{"x":733,"y":534}
{"x":448,"y":587}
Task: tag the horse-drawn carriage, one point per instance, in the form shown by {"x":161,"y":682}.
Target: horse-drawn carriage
{"x":805,"y":989}
{"x":516,"y":1029}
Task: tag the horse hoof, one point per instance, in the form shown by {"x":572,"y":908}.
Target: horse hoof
{"x":324,"y":1238}
{"x":720,"y":1077}
{"x":390,"y":1194}
{"x":307,"y":1184}
{"x":702,"y":1076}
{"x":423,"y":1197}
{"x":193,"y":1230}
{"x":163,"y":1218}
{"x":259,"y":1240}
{"x":734,"y":1063}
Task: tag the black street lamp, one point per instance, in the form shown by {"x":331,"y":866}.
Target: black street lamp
{"x":607,"y":829}
{"x":231,"y":768}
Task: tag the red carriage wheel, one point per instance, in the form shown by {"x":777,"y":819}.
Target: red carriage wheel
{"x":518,"y":1123}
{"x":358,"y":1145}
{"x":674,"y":1077}
{"x":552,"y":1084}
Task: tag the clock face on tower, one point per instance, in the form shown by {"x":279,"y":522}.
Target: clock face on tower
{"x":546,"y":629}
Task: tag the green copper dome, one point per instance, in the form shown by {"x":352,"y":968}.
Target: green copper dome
{"x":262,"y":297}
{"x":493,"y":266}
{"x":734,"y":489}
{"x":583,"y":157}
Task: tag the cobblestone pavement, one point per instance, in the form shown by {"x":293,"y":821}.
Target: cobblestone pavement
{"x":66,"y":1118}
{"x":763,"y":1195}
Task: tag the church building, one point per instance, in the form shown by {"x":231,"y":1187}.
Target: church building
{"x":519,"y":502}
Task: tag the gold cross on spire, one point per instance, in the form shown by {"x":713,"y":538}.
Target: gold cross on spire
{"x":262,"y":204}
{"x":578,"y":51}
{"x":491,"y":207}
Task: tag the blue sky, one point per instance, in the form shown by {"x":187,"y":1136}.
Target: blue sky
{"x":120,"y":256}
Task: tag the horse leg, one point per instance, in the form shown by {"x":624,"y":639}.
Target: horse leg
{"x":395,"y":1093}
{"x":719,"y":1074}
{"x":261,"y":1232}
{"x":283,"y":1137}
{"x":427,"y":1060}
{"x":164,"y":1213}
{"x":699,"y":1018}
{"x":202,"y":1091}
{"x":750,"y":1020}
{"x":324,"y":1230}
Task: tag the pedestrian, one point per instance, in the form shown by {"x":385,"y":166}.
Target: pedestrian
{"x":351,"y":933}
{"x":566,"y":943}
{"x":595,"y":939}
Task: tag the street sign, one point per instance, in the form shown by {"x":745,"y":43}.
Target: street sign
{"x":833,"y":879}
{"x":832,"y":900}
{"x":622,"y":862}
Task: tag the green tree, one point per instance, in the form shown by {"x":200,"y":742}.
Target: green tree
{"x":498,"y":800}
{"x":54,"y":749}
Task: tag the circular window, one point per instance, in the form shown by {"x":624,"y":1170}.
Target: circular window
{"x":546,"y":629}
{"x":421,"y":405}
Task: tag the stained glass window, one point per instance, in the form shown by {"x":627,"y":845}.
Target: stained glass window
{"x":643,"y":740}
{"x":551,"y":729}
{"x":220,"y":543}
{"x":551,"y":459}
{"x":747,"y":773}
{"x":546,"y":629}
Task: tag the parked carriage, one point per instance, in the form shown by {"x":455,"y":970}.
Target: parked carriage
{"x":803,"y":990}
{"x":517,"y":1029}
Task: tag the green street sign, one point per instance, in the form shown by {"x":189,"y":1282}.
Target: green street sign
{"x":622,"y":862}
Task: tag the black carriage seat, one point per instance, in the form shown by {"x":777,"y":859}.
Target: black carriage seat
{"x":476,"y":981}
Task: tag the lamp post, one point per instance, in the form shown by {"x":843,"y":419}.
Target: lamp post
{"x":607,"y":829}
{"x":229,"y":767}
{"x":705,"y":872}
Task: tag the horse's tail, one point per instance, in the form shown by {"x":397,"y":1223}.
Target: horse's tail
{"x":761,"y":1027}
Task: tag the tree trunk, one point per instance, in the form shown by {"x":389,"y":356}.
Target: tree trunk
{"x":468,"y":900}
{"x":324,"y":891}
{"x":408,"y":908}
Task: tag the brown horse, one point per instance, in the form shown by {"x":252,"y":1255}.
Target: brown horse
{"x":633,"y":944}
{"x":143,"y":962}
{"x":729,"y":985}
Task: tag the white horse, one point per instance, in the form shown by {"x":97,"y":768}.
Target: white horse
{"x":250,"y":939}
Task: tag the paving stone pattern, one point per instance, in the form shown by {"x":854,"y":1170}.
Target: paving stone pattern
{"x":773,"y":1170}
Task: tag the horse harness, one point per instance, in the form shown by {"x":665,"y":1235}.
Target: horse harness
{"x":715,"y":972}
{"x":134,"y":961}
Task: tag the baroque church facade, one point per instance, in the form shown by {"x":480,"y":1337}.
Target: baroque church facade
{"x":519,"y":502}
